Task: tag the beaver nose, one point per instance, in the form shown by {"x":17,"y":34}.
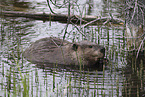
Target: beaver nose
{"x":102,"y":50}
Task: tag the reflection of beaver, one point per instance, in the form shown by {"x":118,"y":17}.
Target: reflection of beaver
{"x":48,"y":50}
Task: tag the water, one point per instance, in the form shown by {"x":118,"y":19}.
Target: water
{"x":18,"y":77}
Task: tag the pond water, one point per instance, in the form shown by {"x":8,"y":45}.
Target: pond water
{"x":18,"y":77}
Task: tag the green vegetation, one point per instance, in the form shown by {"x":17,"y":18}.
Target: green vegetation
{"x":123,"y":75}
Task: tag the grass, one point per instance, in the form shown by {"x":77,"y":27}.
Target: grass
{"x":23,"y":79}
{"x":29,"y":84}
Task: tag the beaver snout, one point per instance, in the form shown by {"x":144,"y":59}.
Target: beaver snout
{"x":100,"y":53}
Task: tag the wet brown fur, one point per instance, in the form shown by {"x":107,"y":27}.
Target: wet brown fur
{"x":55,"y":50}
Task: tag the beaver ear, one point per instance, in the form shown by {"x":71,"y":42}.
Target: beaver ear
{"x":75,"y":46}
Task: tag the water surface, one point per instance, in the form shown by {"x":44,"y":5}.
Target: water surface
{"x":18,"y":77}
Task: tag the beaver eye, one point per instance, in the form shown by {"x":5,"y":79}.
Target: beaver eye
{"x":90,"y":46}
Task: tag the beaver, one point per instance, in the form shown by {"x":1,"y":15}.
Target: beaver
{"x":59,"y":51}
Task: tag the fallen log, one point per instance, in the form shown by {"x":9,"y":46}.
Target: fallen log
{"x":88,"y":20}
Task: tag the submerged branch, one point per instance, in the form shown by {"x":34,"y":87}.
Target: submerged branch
{"x":87,"y":20}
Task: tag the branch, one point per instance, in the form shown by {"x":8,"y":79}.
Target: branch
{"x":87,"y":20}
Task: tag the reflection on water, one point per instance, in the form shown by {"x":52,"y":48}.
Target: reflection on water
{"x":14,"y":5}
{"x":134,"y":73}
{"x":19,"y":77}
{"x":84,"y":83}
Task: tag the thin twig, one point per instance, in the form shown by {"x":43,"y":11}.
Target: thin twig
{"x":55,"y":42}
{"x":68,"y":21}
{"x":59,"y":6}
{"x":134,"y":11}
{"x":50,"y":7}
{"x":140,"y":48}
{"x":79,"y":30}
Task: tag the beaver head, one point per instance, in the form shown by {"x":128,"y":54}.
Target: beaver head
{"x":88,"y":53}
